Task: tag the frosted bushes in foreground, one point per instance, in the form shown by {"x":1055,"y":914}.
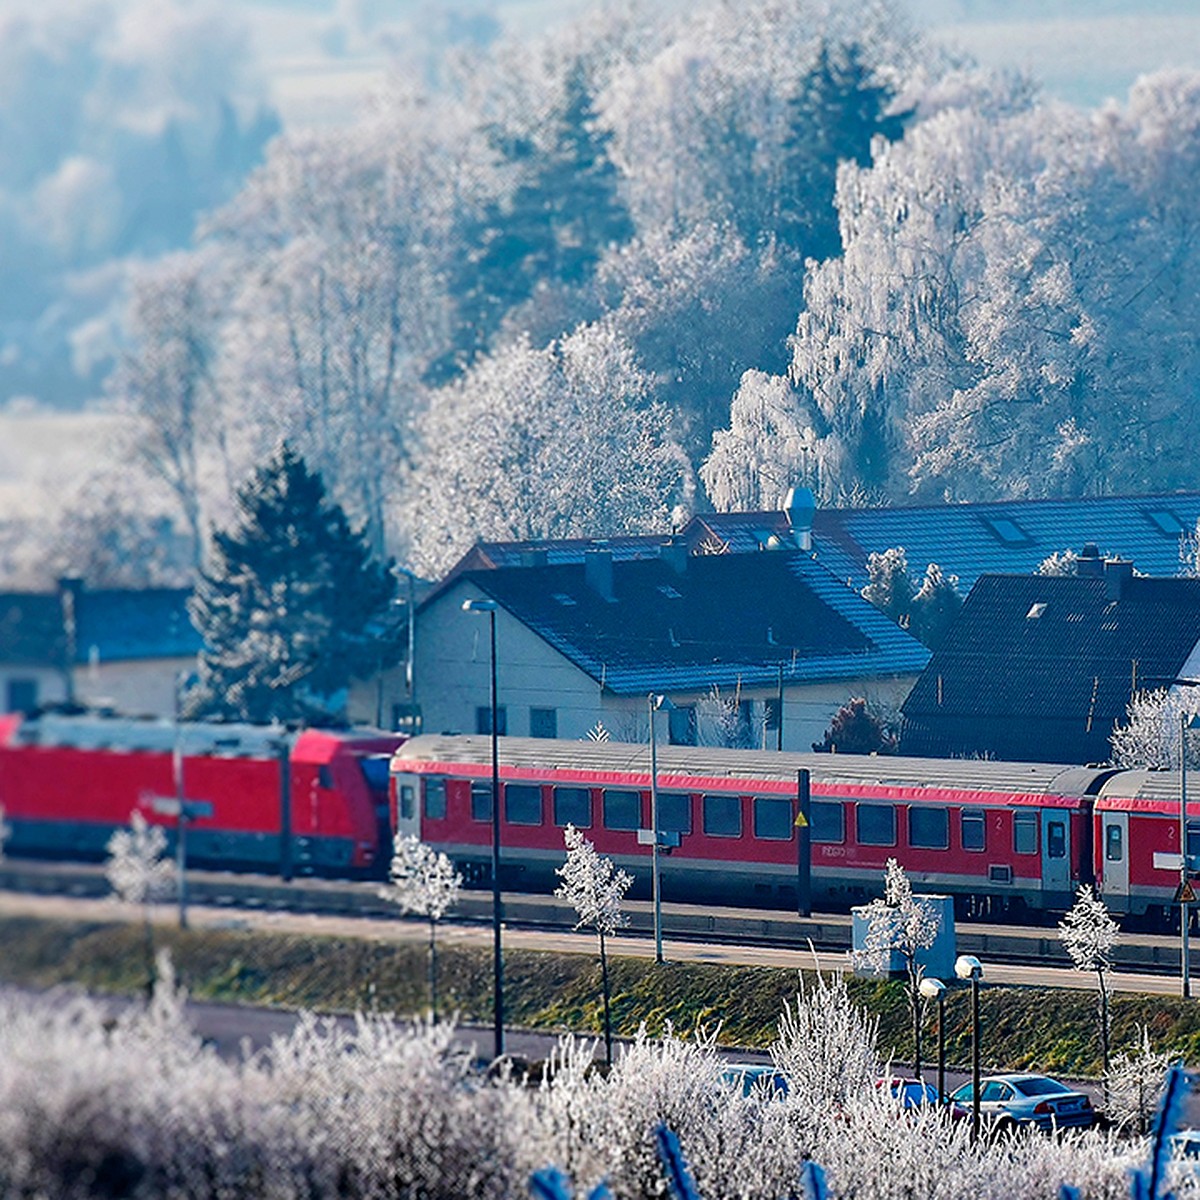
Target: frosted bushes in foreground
{"x":139,"y":1107}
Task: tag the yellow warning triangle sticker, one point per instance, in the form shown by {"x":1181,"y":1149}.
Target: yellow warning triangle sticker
{"x":801,"y":821}
{"x":1185,"y":893}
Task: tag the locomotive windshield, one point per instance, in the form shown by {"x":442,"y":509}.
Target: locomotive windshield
{"x":375,"y":771}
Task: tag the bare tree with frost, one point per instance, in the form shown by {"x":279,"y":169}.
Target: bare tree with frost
{"x":1135,"y":1082}
{"x":595,"y":889}
{"x":425,"y":883}
{"x":140,"y":873}
{"x":1089,"y":933}
{"x":904,"y":924}
{"x":1151,"y":734}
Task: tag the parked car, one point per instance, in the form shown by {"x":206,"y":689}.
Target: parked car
{"x":919,"y":1093}
{"x":1029,"y":1100}
{"x":749,"y":1076}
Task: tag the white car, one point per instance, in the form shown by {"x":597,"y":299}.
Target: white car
{"x":1029,"y":1100}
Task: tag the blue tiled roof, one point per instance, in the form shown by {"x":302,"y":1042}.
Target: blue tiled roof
{"x":31,"y":629}
{"x":1040,"y":668}
{"x":130,"y":624}
{"x":720,"y":620}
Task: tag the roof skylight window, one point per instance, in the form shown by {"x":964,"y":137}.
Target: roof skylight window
{"x":670,"y":592}
{"x":1165,"y":521}
{"x":1035,"y":611}
{"x":1006,"y":530}
{"x":564,"y":599}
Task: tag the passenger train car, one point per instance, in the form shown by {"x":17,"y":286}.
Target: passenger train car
{"x":999,"y":837}
{"x":67,"y":782}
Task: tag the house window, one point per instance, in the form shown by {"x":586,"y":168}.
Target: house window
{"x":974,"y":832}
{"x":827,"y":822}
{"x":483,"y":720}
{"x":674,"y":812}
{"x":622,"y":810}
{"x":1025,"y":839}
{"x":929,"y":828}
{"x":435,"y":799}
{"x":543,"y":722}
{"x":723,"y":816}
{"x":876,"y":824}
{"x":481,"y":801}
{"x":522,"y":804}
{"x":773,"y":818}
{"x":573,"y":806}
{"x":22,"y":695}
{"x":682,"y":725}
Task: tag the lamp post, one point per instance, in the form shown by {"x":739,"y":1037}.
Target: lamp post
{"x":967,"y":966}
{"x":410,"y":678}
{"x":935,"y":989}
{"x":489,"y":607}
{"x":654,"y":703}
{"x":1186,"y":721}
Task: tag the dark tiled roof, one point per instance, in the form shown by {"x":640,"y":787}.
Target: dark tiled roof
{"x":128,"y":624}
{"x":1040,"y":669}
{"x":31,"y":629}
{"x":721,"y":619}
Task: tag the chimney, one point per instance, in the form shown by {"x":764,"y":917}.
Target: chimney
{"x":674,"y":552}
{"x":1117,"y":574}
{"x":1089,"y":564}
{"x":799,"y":504}
{"x":598,"y":573}
{"x":533,"y":556}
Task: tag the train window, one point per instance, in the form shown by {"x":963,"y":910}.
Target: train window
{"x":622,"y":810}
{"x":324,"y":777}
{"x":481,"y":801}
{"x":522,"y":804}
{"x":875,"y":824}
{"x":973,"y":831}
{"x":1193,"y":839}
{"x":406,"y":802}
{"x":1025,"y":833}
{"x":435,"y":799}
{"x":1056,"y":839}
{"x":827,"y":822}
{"x":573,"y":806}
{"x":773,"y":818}
{"x":723,"y":816}
{"x":1114,"y":843}
{"x":929,"y":828}
{"x":674,"y":812}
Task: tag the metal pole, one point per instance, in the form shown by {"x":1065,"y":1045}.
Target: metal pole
{"x":804,"y":843}
{"x":1185,"y":966}
{"x":497,"y":949}
{"x":654,"y":880}
{"x":941,"y":1045}
{"x":410,"y":670}
{"x":285,"y":810}
{"x":975,"y":1058}
{"x":181,"y":827}
{"x":779,"y":702}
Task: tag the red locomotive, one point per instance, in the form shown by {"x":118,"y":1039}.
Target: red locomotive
{"x":1000,"y":837}
{"x":67,"y":782}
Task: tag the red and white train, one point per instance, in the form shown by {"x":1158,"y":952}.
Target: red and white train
{"x":67,"y":782}
{"x":1001,"y":837}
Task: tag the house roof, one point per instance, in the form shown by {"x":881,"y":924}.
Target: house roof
{"x":128,"y":624}
{"x":1039,"y":668}
{"x":691,"y":623}
{"x":966,"y":540}
{"x":31,"y":629}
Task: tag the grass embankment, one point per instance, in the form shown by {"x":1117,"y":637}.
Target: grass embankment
{"x":1047,"y":1030}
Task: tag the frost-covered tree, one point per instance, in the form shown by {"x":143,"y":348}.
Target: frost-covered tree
{"x":724,"y":719}
{"x":1151,"y":735}
{"x":292,"y":606}
{"x":901,"y":924}
{"x":890,"y":587}
{"x":140,"y":872}
{"x":934,"y":606}
{"x":855,"y":729}
{"x":1134,"y":1084}
{"x":596,"y":890}
{"x":424,"y":882}
{"x":1061,"y":562}
{"x":1088,"y":932}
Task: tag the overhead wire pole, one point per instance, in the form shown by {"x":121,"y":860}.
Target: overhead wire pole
{"x":654,"y":703}
{"x":1185,"y":966}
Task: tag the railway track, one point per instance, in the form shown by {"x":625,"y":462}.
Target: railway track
{"x":1144,"y":953}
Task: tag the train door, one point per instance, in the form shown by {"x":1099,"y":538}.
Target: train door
{"x":406,"y":815}
{"x":1057,"y":887}
{"x":1114,"y":860}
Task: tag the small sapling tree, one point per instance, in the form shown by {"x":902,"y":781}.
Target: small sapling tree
{"x":595,"y":889}
{"x":904,"y":924}
{"x":1135,"y":1084}
{"x":1089,"y":933}
{"x":424,"y":883}
{"x":140,"y":873}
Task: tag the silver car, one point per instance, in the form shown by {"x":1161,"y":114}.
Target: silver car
{"x":1029,"y":1100}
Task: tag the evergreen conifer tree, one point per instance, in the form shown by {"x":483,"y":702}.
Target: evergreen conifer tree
{"x":292,"y":606}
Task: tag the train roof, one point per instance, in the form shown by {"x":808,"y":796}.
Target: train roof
{"x":93,"y":731}
{"x":1147,"y":790}
{"x":882,"y":771}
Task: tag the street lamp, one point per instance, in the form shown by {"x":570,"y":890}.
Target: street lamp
{"x":654,"y":703}
{"x":489,"y":607}
{"x":967,"y":966}
{"x":935,"y":989}
{"x":410,"y":679}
